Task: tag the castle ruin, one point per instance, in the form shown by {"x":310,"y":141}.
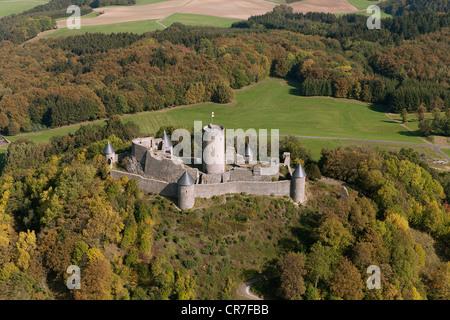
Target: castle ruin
{"x":222,"y":171}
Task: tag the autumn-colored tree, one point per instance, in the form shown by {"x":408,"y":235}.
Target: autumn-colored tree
{"x":332,"y":232}
{"x":292,"y":269}
{"x":96,"y":281}
{"x":184,"y":286}
{"x":347,"y":283}
{"x":4,"y":121}
{"x":26,"y":245}
{"x":440,"y":283}
{"x":105,"y":224}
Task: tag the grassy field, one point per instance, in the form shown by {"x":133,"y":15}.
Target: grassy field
{"x":138,"y":27}
{"x":446,"y":151}
{"x":198,"y":20}
{"x":382,"y":15}
{"x":143,"y":26}
{"x":144,"y":2}
{"x":8,"y":7}
{"x":274,"y":104}
{"x":362,"y":4}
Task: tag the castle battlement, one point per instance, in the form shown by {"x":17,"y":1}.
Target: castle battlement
{"x":156,"y":169}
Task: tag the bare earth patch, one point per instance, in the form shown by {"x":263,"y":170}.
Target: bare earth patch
{"x":237,"y":9}
{"x":328,"y":6}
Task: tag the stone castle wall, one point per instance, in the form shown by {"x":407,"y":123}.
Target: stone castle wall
{"x":166,"y":169}
{"x":276,"y":188}
{"x":163,"y":188}
{"x":139,"y":152}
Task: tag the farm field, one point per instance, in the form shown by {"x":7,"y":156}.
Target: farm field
{"x":138,"y":27}
{"x":198,"y":20}
{"x":362,"y":4}
{"x":233,"y":9}
{"x":144,"y":2}
{"x":143,"y":26}
{"x":8,"y":7}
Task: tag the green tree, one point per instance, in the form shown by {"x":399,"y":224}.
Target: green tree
{"x":404,"y":115}
{"x":294,"y":147}
{"x":332,"y":232}
{"x":319,"y":262}
{"x":292,"y":269}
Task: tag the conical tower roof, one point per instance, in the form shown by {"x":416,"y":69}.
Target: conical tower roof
{"x":166,"y":139}
{"x":108,"y":149}
{"x":299,"y":172}
{"x":248,"y":151}
{"x":186,"y":179}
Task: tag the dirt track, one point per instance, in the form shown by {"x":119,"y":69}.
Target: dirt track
{"x":237,"y":9}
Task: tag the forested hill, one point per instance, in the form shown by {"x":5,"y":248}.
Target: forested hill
{"x":60,"y":207}
{"x":26,"y":25}
{"x":63,"y":81}
{"x":399,"y":7}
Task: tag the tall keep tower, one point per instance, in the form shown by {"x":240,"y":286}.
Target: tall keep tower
{"x":186,"y":191}
{"x":298,"y":185}
{"x":213,"y":149}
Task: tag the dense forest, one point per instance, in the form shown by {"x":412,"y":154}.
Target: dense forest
{"x":62,"y":81}
{"x":59,"y":207}
{"x":397,"y":7}
{"x":26,"y":25}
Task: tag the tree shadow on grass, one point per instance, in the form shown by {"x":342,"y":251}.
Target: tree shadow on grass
{"x":389,"y":121}
{"x":414,"y":133}
{"x":378,"y":108}
{"x":295,"y":88}
{"x":303,"y":234}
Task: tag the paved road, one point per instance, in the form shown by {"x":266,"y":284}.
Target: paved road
{"x":244,"y":289}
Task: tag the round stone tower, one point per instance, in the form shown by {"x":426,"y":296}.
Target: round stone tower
{"x":186,"y":191}
{"x":298,"y":184}
{"x":110,"y":154}
{"x":213,"y":149}
{"x":248,"y":154}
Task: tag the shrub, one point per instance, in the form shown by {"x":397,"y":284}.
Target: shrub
{"x":189,"y":263}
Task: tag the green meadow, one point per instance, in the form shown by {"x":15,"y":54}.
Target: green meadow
{"x":144,"y":2}
{"x":275,"y":104}
{"x":138,"y":27}
{"x":8,"y":7}
{"x":362,"y":4}
{"x":198,"y":20}
{"x":446,"y":151}
{"x":143,"y":26}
